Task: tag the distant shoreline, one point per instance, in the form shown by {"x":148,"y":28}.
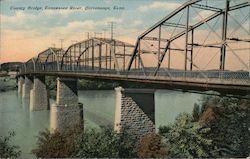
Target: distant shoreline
{"x":7,"y":83}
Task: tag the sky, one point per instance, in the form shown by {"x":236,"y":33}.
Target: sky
{"x":30,"y":26}
{"x":25,"y":33}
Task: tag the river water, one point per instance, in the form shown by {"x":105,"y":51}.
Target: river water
{"x":99,"y":109}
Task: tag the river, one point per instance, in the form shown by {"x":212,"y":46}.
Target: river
{"x":99,"y":109}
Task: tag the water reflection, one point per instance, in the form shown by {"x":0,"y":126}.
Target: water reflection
{"x":99,"y":109}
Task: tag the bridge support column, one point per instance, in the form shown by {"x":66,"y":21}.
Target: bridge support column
{"x":135,"y":111}
{"x":66,"y":112}
{"x":20,"y":85}
{"x":38,"y":95}
{"x":27,"y":86}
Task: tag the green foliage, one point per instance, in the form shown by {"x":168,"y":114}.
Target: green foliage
{"x":196,"y":112}
{"x":96,"y":84}
{"x":185,"y":138}
{"x":57,"y":144}
{"x":90,"y":143}
{"x":151,"y":146}
{"x":51,"y":82}
{"x":229,"y":120}
{"x":6,"y":149}
{"x":106,"y":143}
{"x":7,"y":84}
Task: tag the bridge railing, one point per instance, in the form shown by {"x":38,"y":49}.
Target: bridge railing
{"x":242,"y":77}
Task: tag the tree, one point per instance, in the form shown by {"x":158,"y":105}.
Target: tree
{"x":151,"y":146}
{"x":196,"y":112}
{"x":106,"y":143}
{"x":6,"y":149}
{"x":229,"y":120}
{"x":185,"y":138}
{"x":89,"y":143}
{"x":56,"y":144}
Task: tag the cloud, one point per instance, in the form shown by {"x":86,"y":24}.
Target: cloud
{"x":19,"y":18}
{"x":159,"y":5}
{"x":109,"y":19}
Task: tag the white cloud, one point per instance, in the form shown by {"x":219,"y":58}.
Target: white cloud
{"x":109,"y":19}
{"x":159,"y":5}
{"x":74,"y":26}
{"x":19,"y":18}
{"x":136,"y":22}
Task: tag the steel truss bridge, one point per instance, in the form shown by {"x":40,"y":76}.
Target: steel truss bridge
{"x":202,"y":45}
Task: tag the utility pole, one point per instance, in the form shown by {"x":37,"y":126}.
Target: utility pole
{"x":87,"y":34}
{"x":61,"y":42}
{"x":53,"y":45}
{"x":104,"y":33}
{"x":112,"y":29}
{"x":96,"y":33}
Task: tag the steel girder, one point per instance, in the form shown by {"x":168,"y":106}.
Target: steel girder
{"x":185,"y":29}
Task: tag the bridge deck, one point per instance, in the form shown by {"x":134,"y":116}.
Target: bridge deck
{"x":232,"y":86}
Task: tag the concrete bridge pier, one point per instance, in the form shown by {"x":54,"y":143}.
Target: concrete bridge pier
{"x":135,"y":111}
{"x":20,"y":85}
{"x":66,"y":112}
{"x":38,"y":95}
{"x":27,"y":86}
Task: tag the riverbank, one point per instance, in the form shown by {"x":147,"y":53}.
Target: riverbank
{"x":7,"y":84}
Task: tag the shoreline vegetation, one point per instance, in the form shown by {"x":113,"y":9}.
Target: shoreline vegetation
{"x":7,"y":84}
{"x":217,"y":128}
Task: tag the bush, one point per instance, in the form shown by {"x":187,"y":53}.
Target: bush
{"x":56,"y":144}
{"x":185,"y":138}
{"x":6,"y":149}
{"x":90,"y":143}
{"x":229,"y":120}
{"x":151,"y":146}
{"x":106,"y":143}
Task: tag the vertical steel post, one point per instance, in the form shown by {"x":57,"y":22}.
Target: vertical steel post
{"x":186,"y":41}
{"x":70,"y":58}
{"x":106,"y":59}
{"x":93,"y":56}
{"x":100,"y":56}
{"x":88,"y":55}
{"x":124,"y":51}
{"x":114,"y":54}
{"x":139,"y":61}
{"x":159,"y":45}
{"x":191,"y":51}
{"x":169,"y":56}
{"x":224,"y":37}
{"x":110,"y":65}
{"x":79,"y":66}
{"x":85,"y":55}
{"x":136,"y":59}
{"x":74,"y":58}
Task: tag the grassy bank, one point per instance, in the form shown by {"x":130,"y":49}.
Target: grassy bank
{"x":7,"y":83}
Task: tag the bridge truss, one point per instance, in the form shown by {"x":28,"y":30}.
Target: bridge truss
{"x":201,"y":41}
{"x":196,"y":29}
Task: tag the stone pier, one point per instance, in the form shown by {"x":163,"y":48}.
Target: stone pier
{"x":20,"y":85}
{"x":27,"y":86}
{"x":38,"y":95}
{"x":135,"y":111}
{"x":66,"y":112}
